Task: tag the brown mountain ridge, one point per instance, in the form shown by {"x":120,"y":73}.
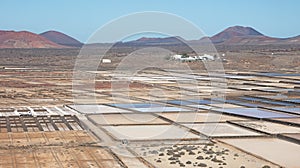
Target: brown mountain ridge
{"x":25,"y":39}
{"x":61,"y":38}
{"x":236,"y":35}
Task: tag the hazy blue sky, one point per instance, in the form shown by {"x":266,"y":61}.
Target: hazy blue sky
{"x":79,"y":18}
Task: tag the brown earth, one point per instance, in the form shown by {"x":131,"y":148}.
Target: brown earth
{"x":25,"y":39}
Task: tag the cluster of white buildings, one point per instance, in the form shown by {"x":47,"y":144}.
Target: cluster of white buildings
{"x":185,"y":58}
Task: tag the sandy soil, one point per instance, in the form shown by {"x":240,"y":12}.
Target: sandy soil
{"x":126,"y":119}
{"x":268,"y":127}
{"x":275,"y":150}
{"x":150,"y":132}
{"x":214,"y":155}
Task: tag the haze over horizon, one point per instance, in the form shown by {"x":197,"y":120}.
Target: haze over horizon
{"x":81,"y":19}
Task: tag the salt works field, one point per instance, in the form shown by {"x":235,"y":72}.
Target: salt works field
{"x":160,"y":119}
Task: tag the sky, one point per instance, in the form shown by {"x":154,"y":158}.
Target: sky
{"x":80,"y":19}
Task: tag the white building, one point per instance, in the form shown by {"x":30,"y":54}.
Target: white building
{"x":176,"y":57}
{"x":206,"y":57}
{"x":192,"y":58}
{"x":188,"y":59}
{"x":106,"y":61}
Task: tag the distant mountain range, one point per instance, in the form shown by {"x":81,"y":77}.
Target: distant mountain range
{"x":61,"y":39}
{"x":236,"y":35}
{"x":235,"y":32}
{"x":239,"y":35}
{"x":25,"y":39}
